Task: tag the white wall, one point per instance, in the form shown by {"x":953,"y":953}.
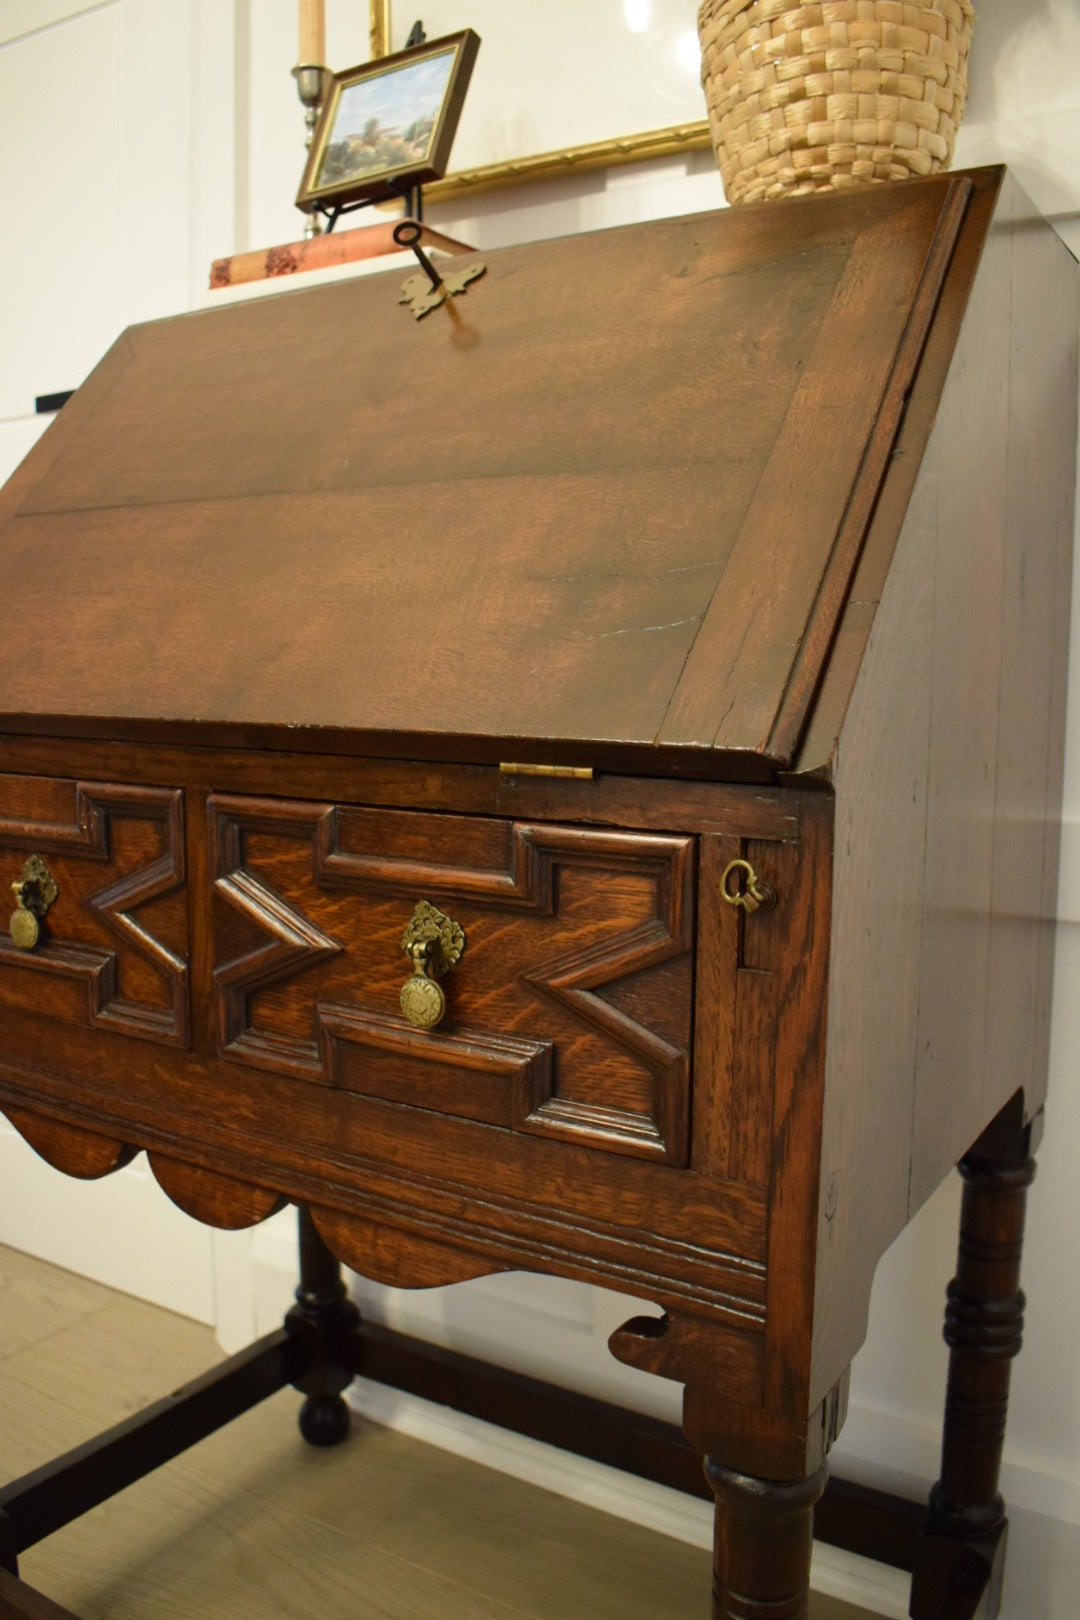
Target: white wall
{"x":115,"y":187}
{"x":189,"y":146}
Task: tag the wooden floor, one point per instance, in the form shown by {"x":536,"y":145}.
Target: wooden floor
{"x":254,"y":1525}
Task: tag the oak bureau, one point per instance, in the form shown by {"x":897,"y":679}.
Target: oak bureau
{"x":569,"y":784}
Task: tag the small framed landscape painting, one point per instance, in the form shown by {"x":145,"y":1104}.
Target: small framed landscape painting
{"x":388,"y":125}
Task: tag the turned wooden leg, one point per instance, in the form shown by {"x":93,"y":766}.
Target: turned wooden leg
{"x":327,"y":1320}
{"x":963,"y":1549}
{"x":763,"y":1540}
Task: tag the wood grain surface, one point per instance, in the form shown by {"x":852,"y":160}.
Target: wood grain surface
{"x":946,"y":762}
{"x":598,"y":511}
{"x":568,"y":1038}
{"x":114,"y":851}
{"x":569,"y":1013}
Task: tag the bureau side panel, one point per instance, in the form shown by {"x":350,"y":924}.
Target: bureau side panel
{"x":948,"y":781}
{"x":1006,"y":470}
{"x":879,"y":840}
{"x":1043,"y":371}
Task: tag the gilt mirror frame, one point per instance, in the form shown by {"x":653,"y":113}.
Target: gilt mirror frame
{"x":671,"y":141}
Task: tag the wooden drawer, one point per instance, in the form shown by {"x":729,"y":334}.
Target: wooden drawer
{"x":569,"y":1014}
{"x":113,"y":954}
{"x":545,"y":1123}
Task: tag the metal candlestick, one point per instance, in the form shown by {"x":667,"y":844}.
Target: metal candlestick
{"x":309,"y":87}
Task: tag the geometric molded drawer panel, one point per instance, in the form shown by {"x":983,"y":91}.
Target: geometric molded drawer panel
{"x":113,"y":951}
{"x":569,"y":1014}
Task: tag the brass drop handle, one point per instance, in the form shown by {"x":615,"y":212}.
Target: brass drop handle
{"x":34,"y":894}
{"x":434,"y":944}
{"x":741,"y":886}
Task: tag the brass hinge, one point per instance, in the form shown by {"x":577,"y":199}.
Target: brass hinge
{"x":578,"y":773}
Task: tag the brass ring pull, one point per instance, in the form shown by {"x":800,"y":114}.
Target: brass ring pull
{"x":34,"y":894}
{"x":434,"y":944}
{"x":748,"y":891}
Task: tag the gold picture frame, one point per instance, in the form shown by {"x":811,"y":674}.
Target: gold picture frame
{"x":355,"y":156}
{"x":672,"y":141}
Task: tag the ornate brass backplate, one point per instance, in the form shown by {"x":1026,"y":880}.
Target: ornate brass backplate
{"x":34,"y":893}
{"x":434,"y":943}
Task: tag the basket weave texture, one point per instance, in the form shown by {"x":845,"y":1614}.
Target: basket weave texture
{"x":840,"y":93}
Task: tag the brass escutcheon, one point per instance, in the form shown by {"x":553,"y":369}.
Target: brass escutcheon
{"x":434,"y":944}
{"x":749,"y":891}
{"x":34,"y":893}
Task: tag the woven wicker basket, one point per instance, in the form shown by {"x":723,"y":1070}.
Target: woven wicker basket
{"x":839,"y":93}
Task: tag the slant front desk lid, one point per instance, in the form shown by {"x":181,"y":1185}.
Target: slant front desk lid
{"x":602,"y":509}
